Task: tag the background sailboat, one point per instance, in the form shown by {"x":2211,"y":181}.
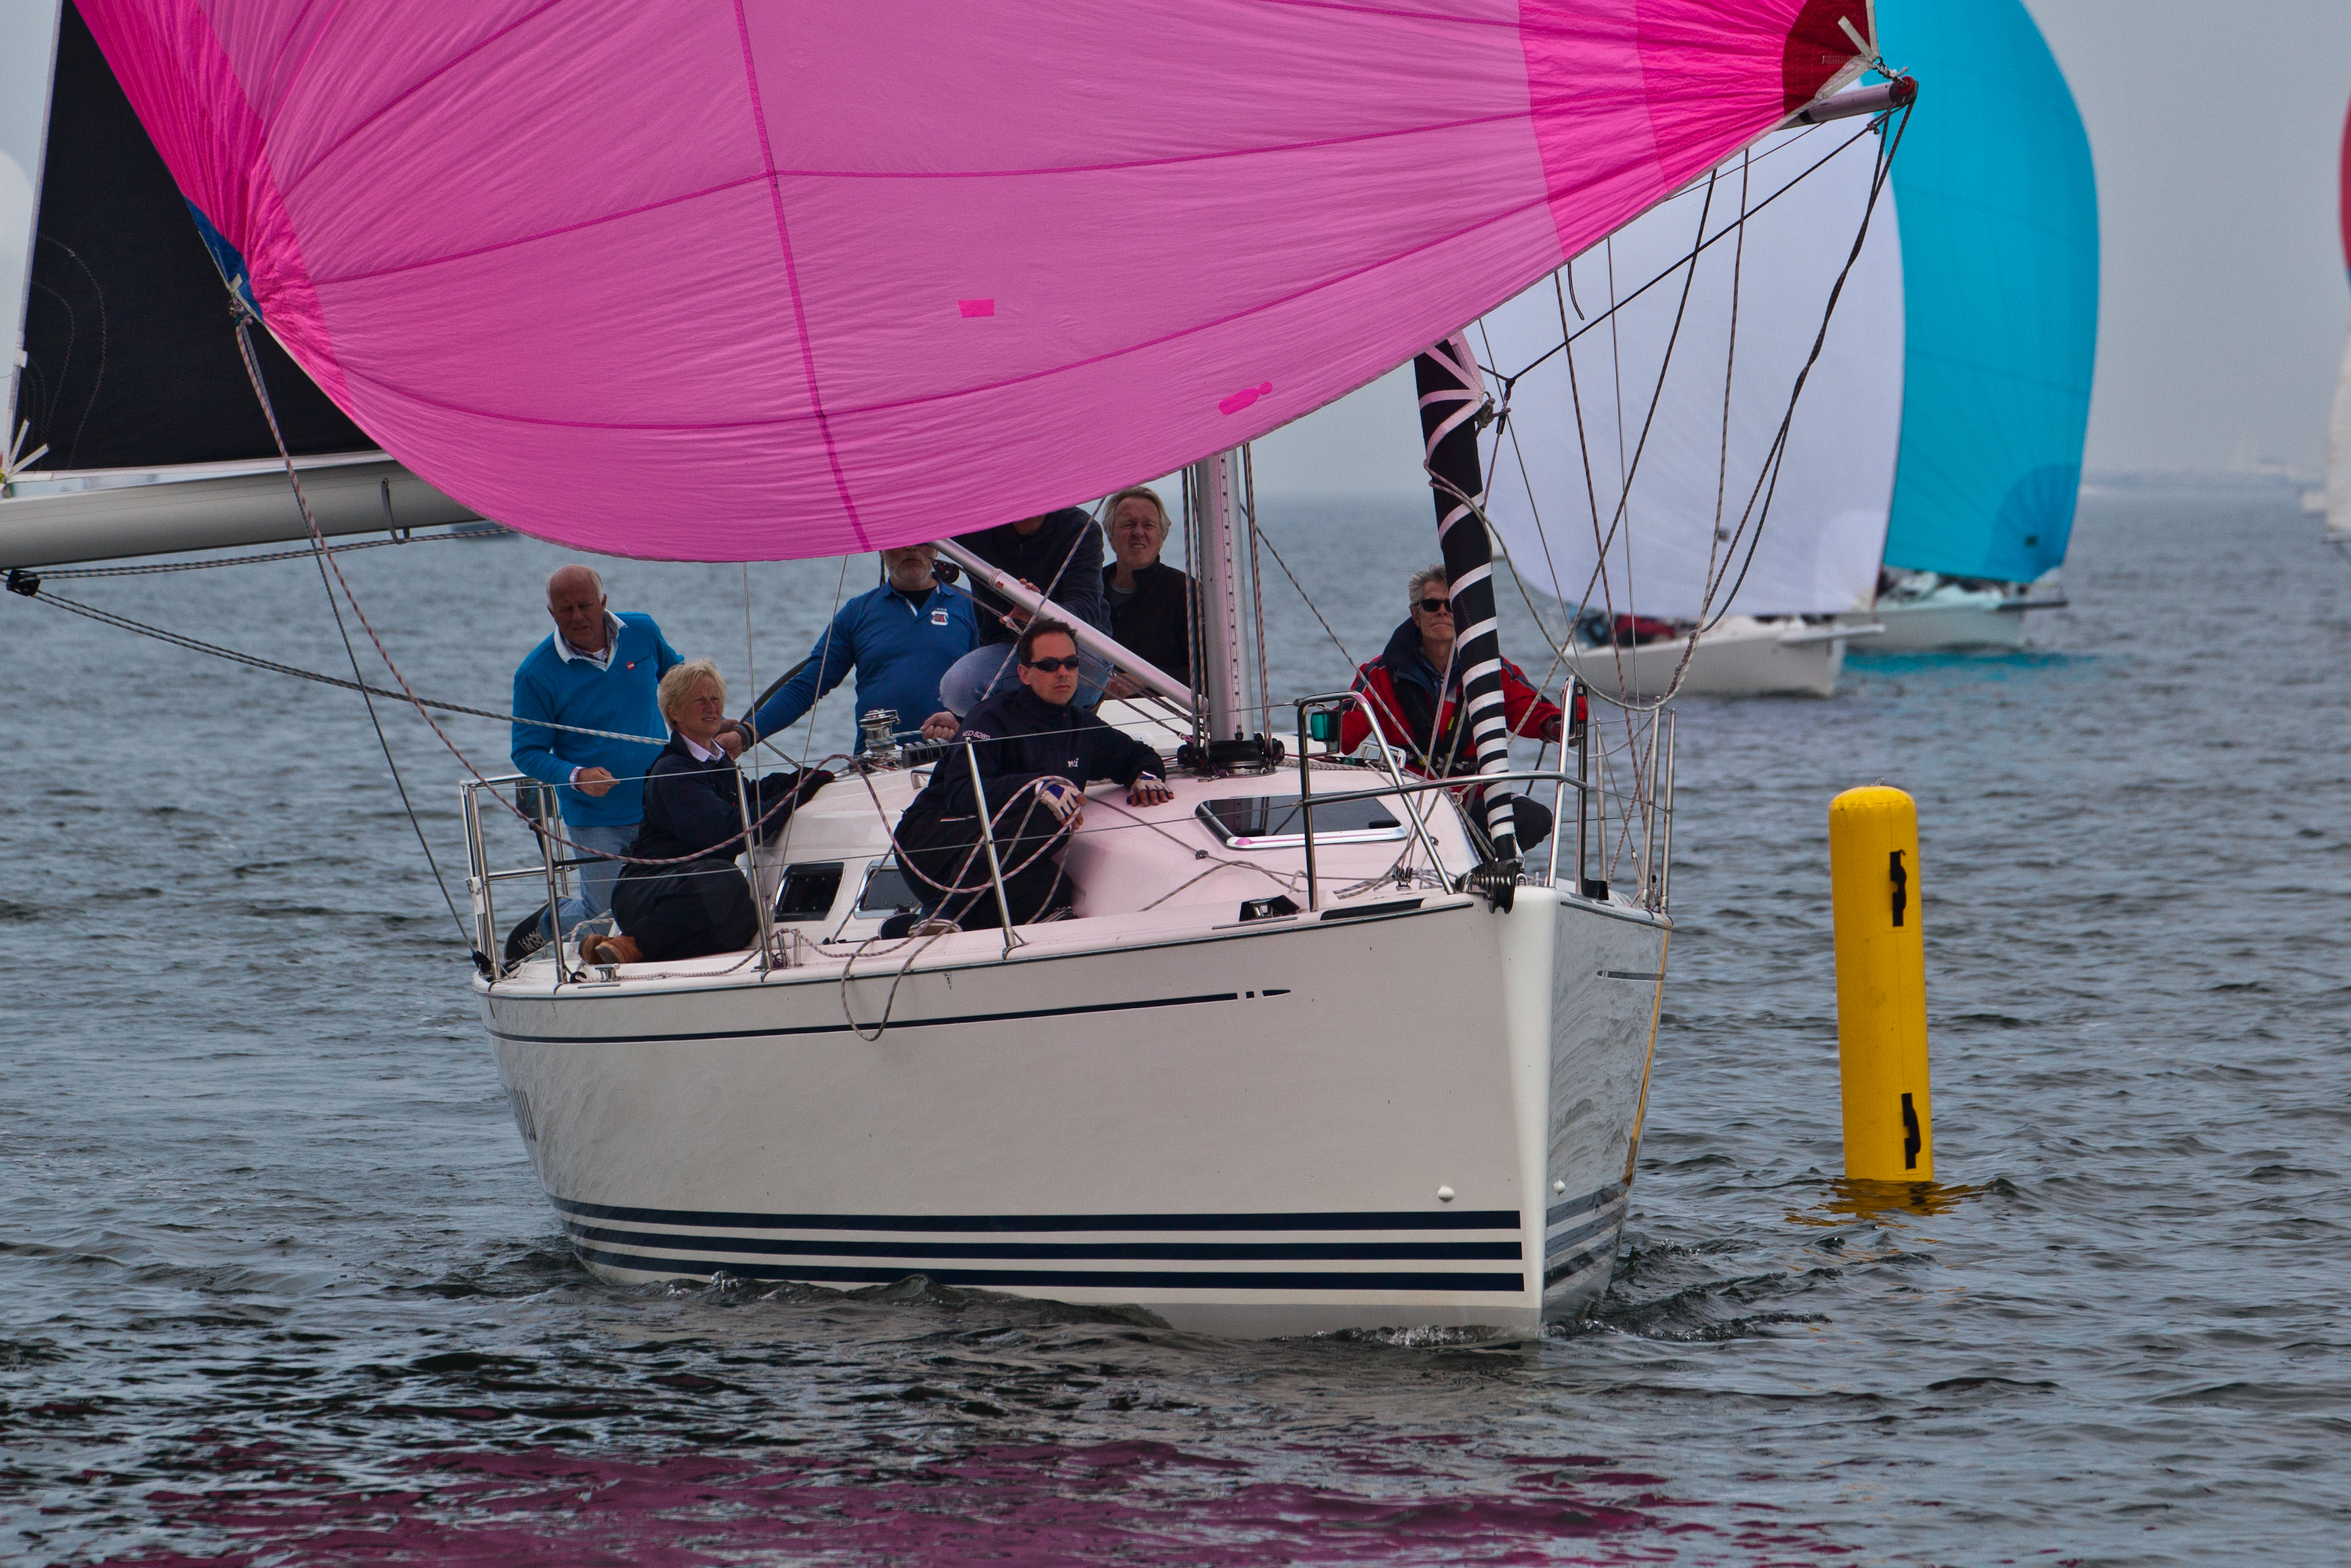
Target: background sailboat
{"x":1999,"y":266}
{"x":2339,"y":424}
{"x":1655,"y":430}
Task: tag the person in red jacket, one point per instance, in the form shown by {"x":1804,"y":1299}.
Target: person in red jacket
{"x":1402,"y":688}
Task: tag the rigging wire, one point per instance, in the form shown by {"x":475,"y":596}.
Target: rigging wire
{"x":152,"y":568}
{"x":1705,"y":244}
{"x":195,"y":645}
{"x":318,"y":542}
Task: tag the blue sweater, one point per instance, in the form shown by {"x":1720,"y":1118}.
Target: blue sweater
{"x":620,"y":697}
{"x":900,"y":645}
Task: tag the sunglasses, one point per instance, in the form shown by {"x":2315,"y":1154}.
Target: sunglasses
{"x":1437,"y":606}
{"x":1051,"y":667}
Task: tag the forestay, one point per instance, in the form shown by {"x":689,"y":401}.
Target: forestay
{"x":787,"y":279}
{"x":1677,"y":525}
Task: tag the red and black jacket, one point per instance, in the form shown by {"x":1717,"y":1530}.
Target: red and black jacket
{"x":1400,"y":686}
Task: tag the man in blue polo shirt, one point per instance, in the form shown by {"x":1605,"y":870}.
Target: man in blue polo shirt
{"x":900,"y":638}
{"x":598,"y":671}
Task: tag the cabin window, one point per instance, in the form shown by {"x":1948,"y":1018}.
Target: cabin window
{"x":886,"y":892}
{"x":808,"y":890}
{"x":1275,"y":821}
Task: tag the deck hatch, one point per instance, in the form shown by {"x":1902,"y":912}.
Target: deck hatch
{"x":1275,"y":821}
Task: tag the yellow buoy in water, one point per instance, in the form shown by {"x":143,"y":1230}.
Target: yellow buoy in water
{"x":1881,"y":983}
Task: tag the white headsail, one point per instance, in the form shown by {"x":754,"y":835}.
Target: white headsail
{"x":1575,"y":434}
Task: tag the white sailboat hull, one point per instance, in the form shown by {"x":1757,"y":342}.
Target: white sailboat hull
{"x":1422,"y":1117}
{"x":1931,"y":628}
{"x":1740,"y":657}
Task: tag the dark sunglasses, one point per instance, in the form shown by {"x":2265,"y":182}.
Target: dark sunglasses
{"x":1051,"y":667}
{"x":1435,"y":606}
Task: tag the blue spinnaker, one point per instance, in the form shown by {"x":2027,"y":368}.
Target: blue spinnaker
{"x":2000,"y":263}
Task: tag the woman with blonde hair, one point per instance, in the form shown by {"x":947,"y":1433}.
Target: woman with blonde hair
{"x":681,"y":895}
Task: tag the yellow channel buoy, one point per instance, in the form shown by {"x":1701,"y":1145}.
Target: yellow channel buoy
{"x":1881,"y":985}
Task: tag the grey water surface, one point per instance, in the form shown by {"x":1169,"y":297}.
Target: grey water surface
{"x":277,"y":1284}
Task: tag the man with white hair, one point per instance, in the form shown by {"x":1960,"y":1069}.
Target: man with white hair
{"x":596,"y":671}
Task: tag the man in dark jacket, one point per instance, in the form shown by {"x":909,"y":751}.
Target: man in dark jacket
{"x":1060,"y":556}
{"x":1401,"y":687}
{"x":697,"y":905}
{"x":1037,"y":750}
{"x":1150,"y":602}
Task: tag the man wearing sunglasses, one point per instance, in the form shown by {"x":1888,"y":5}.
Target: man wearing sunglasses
{"x":1037,"y":750}
{"x":1403,"y":688}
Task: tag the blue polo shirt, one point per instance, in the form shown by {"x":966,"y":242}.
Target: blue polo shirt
{"x":566,"y":687}
{"x":899,"y":644}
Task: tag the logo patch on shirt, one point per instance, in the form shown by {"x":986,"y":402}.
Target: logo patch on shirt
{"x":630,"y":666}
{"x":939,"y":617}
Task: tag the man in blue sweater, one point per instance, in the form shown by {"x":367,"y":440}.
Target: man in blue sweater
{"x":900,"y":638}
{"x":599,"y":670}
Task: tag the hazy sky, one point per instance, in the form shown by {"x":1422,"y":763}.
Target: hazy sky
{"x":2215,"y":125}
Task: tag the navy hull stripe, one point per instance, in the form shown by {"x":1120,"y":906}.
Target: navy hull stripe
{"x":1065,"y":1279}
{"x":1555,"y":1245}
{"x":844,"y":1027}
{"x":1577,"y":1264}
{"x":724,"y":1219}
{"x":1116,"y":1251}
{"x":1589,"y":1200}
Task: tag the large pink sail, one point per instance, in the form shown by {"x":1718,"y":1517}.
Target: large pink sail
{"x":781,"y":278}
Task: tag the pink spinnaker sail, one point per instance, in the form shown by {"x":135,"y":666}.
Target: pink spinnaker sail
{"x":779,"y":278}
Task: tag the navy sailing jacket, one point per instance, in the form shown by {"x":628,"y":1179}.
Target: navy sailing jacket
{"x":691,"y":809}
{"x":1063,"y":558}
{"x":1020,"y":738}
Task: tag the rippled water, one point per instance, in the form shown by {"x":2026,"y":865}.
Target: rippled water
{"x":277,"y":1284}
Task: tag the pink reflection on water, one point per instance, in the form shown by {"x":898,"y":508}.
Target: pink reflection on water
{"x":1040,"y":1506}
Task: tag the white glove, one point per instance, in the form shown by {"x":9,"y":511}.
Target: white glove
{"x":1065,"y":800}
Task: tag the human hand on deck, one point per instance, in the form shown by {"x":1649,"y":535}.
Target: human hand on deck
{"x":940,"y":725}
{"x":729,"y":740}
{"x":1149,"y":791}
{"x":1121,"y":685}
{"x":592,"y":781}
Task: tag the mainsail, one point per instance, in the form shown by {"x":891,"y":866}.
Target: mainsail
{"x":1696,"y":517}
{"x":787,"y":280}
{"x":1999,"y":264}
{"x":28,"y":38}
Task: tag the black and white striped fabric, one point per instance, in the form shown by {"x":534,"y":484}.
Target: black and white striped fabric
{"x":1450,"y":396}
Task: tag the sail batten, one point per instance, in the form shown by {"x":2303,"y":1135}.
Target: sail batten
{"x":785,"y":280}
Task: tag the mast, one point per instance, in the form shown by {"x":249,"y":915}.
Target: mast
{"x":1218,"y":678}
{"x":1451,"y":395}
